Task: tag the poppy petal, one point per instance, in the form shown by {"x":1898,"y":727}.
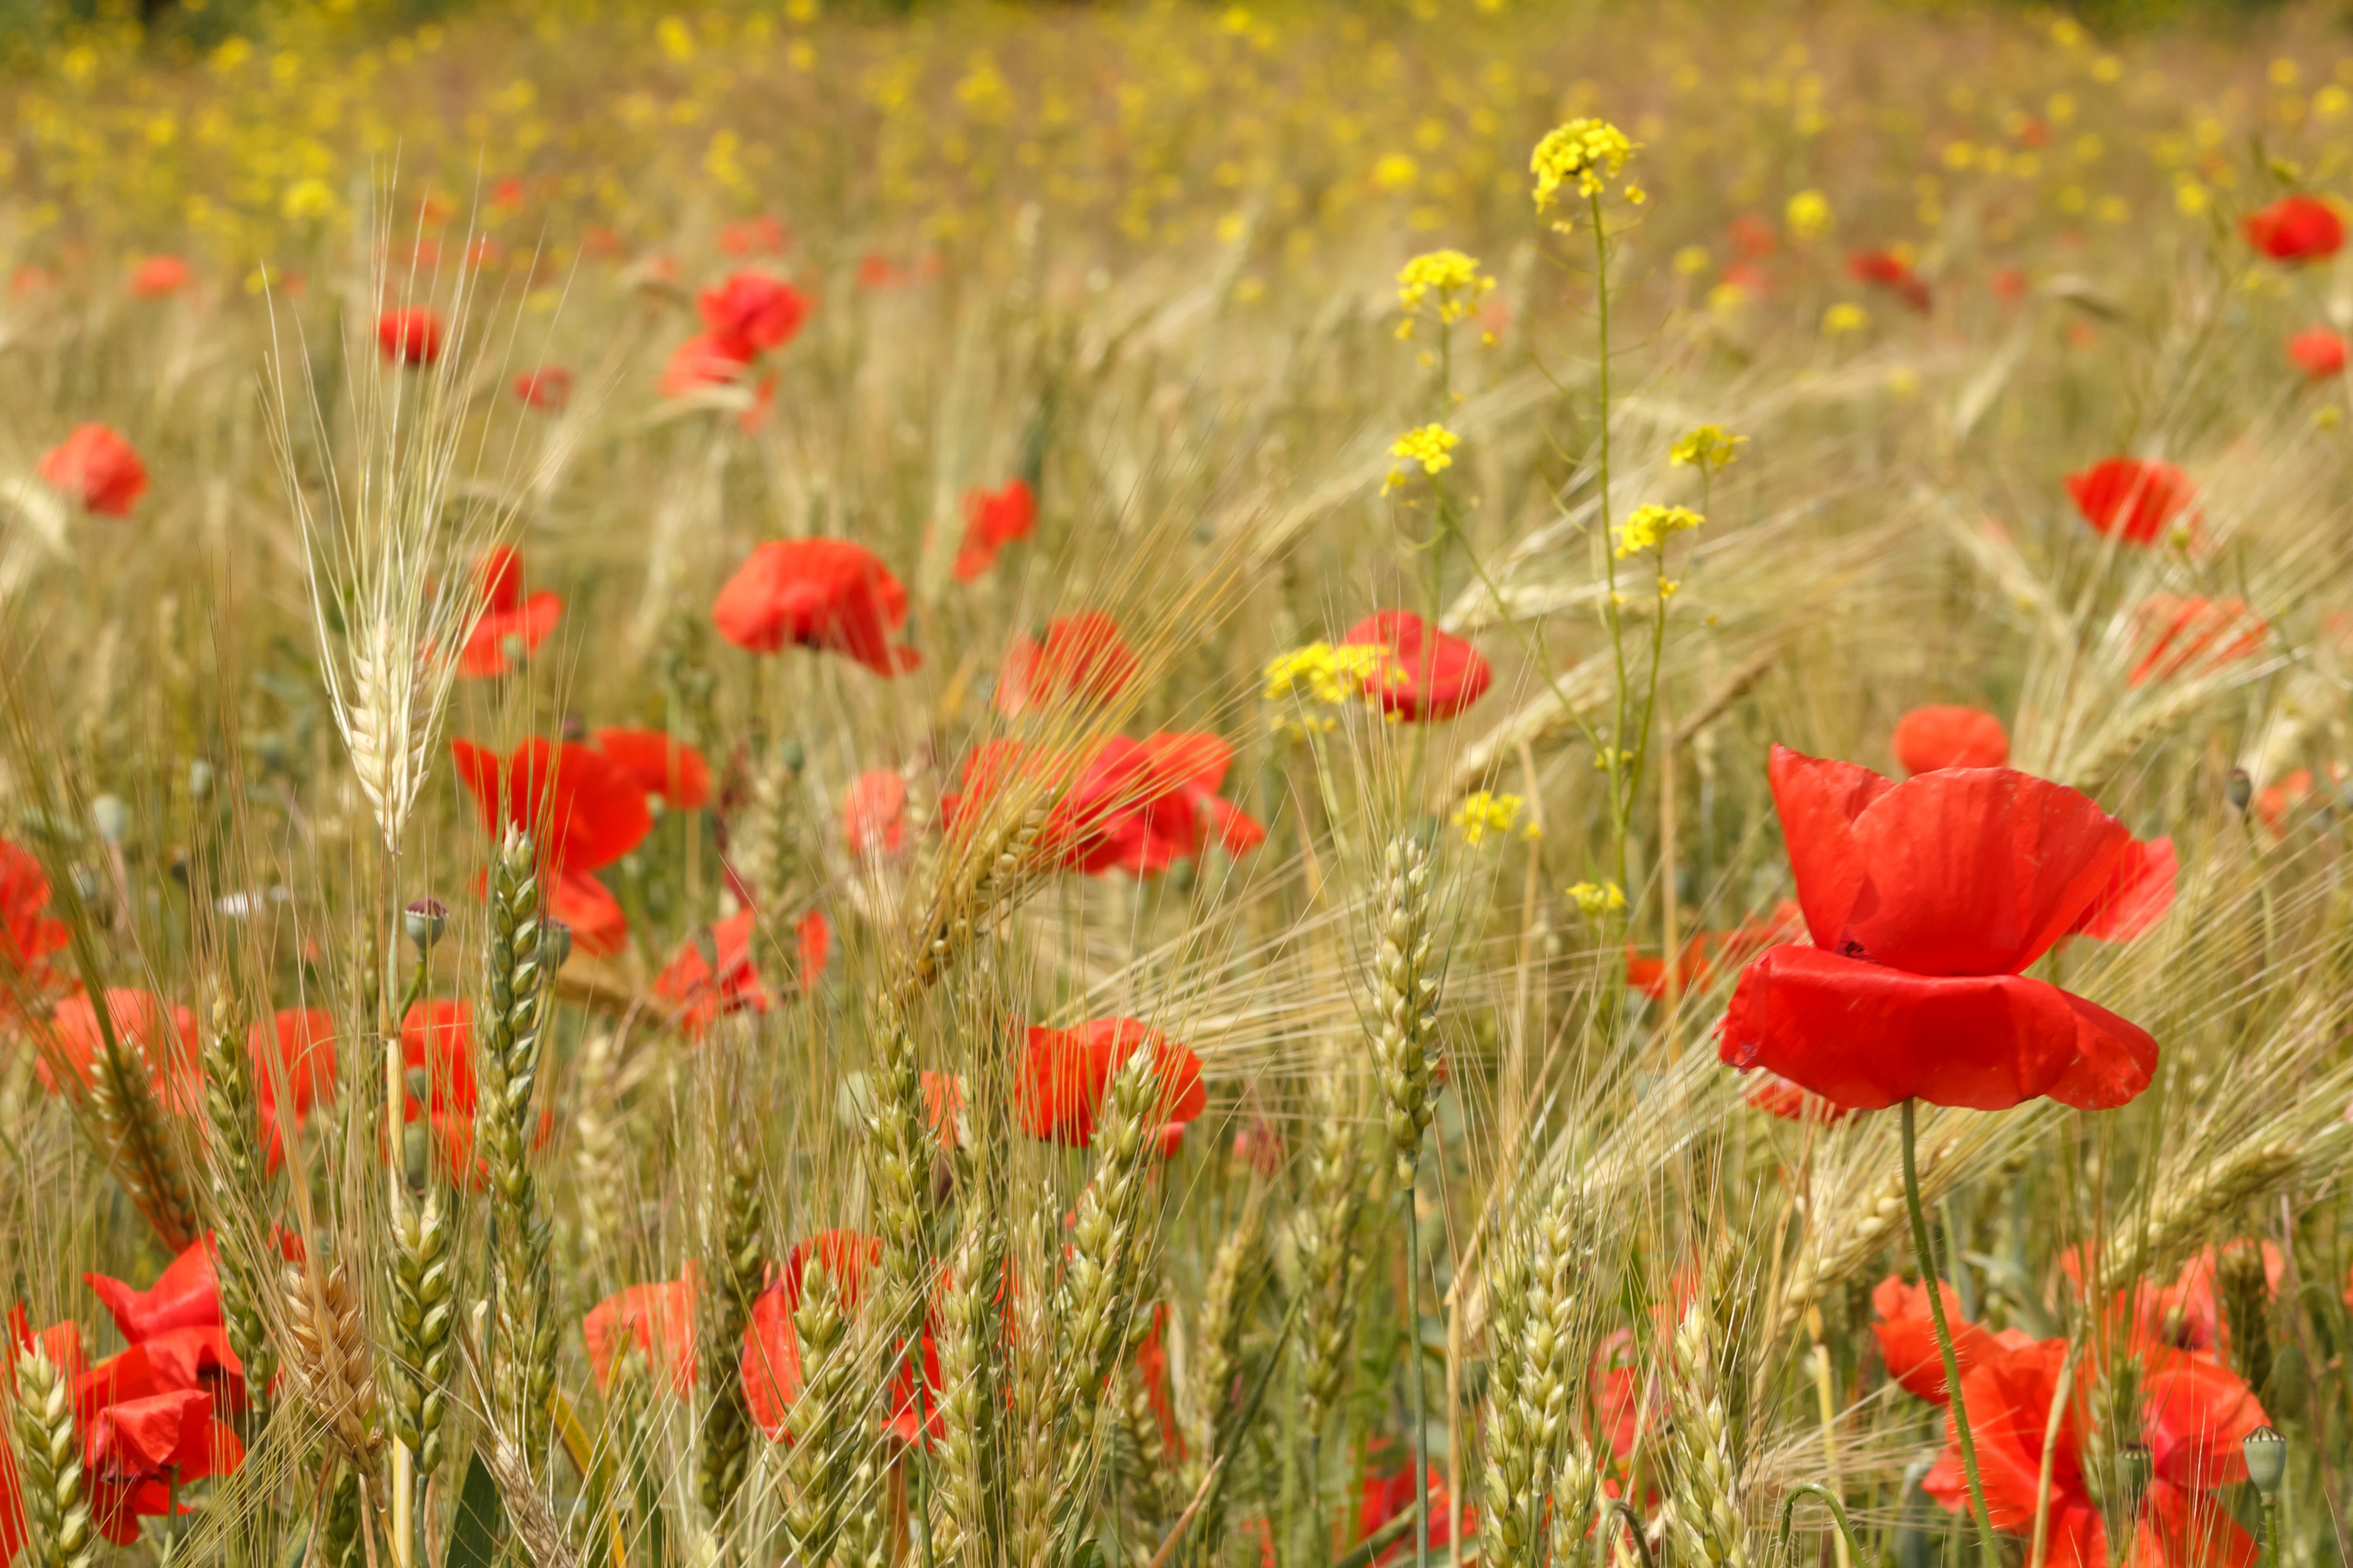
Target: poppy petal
{"x":1818,"y":799}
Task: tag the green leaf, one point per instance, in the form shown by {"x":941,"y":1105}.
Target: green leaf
{"x":480,"y":1521}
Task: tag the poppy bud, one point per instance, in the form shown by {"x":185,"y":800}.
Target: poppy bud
{"x":2239,"y":790}
{"x":425,"y":920}
{"x":111,"y":817}
{"x":2135,"y":1465}
{"x":2266,"y":1454}
{"x":555,"y":942}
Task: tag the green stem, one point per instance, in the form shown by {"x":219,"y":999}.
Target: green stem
{"x":1838,"y":1512}
{"x":1926,"y":1254}
{"x":1621,"y":791}
{"x":1420,"y":1392}
{"x":1618,"y":1508}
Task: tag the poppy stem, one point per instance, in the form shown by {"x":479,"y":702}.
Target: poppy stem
{"x":1420,"y":1393}
{"x":1927,"y":1256}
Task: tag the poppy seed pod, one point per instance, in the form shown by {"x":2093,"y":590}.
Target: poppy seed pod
{"x":425,"y":920}
{"x":2135,"y":1467}
{"x":2237,"y":789}
{"x":2266,"y":1454}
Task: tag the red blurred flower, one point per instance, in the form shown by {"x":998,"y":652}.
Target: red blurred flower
{"x":1941,"y":735}
{"x":702,"y":361}
{"x":2187,"y":1315}
{"x":548,"y":388}
{"x":752,"y":312}
{"x":772,"y":1355}
{"x":661,"y":1318}
{"x":1907,"y":1338}
{"x":1080,"y":659}
{"x":156,"y":276}
{"x":874,"y":813}
{"x":2318,"y":352}
{"x":437,"y":1038}
{"x":512,"y":625}
{"x":825,"y":594}
{"x":1132,"y":806}
{"x":2296,"y":229}
{"x":761,"y":235}
{"x":1388,"y":1493}
{"x":585,"y":812}
{"x":1063,"y":1075}
{"x":483,"y":252}
{"x":2188,"y":633}
{"x":508,"y":193}
{"x":2192,"y":1416}
{"x":2273,"y":803}
{"x":99,"y":468}
{"x":177,"y":1320}
{"x":1709,"y":953}
{"x":1926,"y":900}
{"x":2133,"y":500}
{"x":660,"y":765}
{"x":409,"y":336}
{"x":298,"y":1049}
{"x":944,"y":1108}
{"x":877,"y":271}
{"x":166,"y":1041}
{"x":1753,"y":236}
{"x":702,"y":985}
{"x":28,"y":934}
{"x":145,"y":1435}
{"x":1428,"y":675}
{"x":992,"y":519}
{"x":1886,"y":269}
{"x":1776,"y":1096}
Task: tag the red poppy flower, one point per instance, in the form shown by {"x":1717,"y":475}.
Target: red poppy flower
{"x":2192,"y":1416}
{"x":177,"y":1320}
{"x":1907,"y":1338}
{"x":661,"y":1318}
{"x":1710,"y":953}
{"x":1063,"y":1075}
{"x":874,"y":813}
{"x":813,"y":941}
{"x":2296,"y":229}
{"x":2276,"y":801}
{"x":99,"y":468}
{"x":992,"y":519}
{"x":1428,"y":675}
{"x":512,"y":625}
{"x":772,"y":1373}
{"x":436,"y":1037}
{"x":823,"y":593}
{"x":548,"y":388}
{"x":2133,"y":500}
{"x":1753,"y":236}
{"x":703,"y":987}
{"x":2191,"y":634}
{"x":2186,"y":1315}
{"x":409,"y":336}
{"x":1886,"y":269}
{"x":702,"y":361}
{"x":2137,"y":893}
{"x":1926,"y":900}
{"x":659,"y":766}
{"x":586,"y":814}
{"x":143,"y":1437}
{"x":28,"y":934}
{"x":1946,"y":736}
{"x":1777,"y":1097}
{"x":943,"y":1099}
{"x":1081,"y":657}
{"x":297,"y":1047}
{"x":1389,"y":1493}
{"x":2318,"y":352}
{"x":877,"y":272}
{"x":156,"y":276}
{"x":761,"y":235}
{"x":752,"y":312}
{"x":167,"y":1040}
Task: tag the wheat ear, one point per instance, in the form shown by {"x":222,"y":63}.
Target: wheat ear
{"x":2185,"y":1208}
{"x":326,"y":1348}
{"x":424,"y":1304}
{"x":1707,"y":1510}
{"x":1228,"y":1297}
{"x":239,"y":1185}
{"x":971,"y":1341}
{"x":504,"y":1119}
{"x":1532,"y":1442}
{"x":978,"y":882}
{"x":1330,"y":1262}
{"x":138,"y":1142}
{"x":58,"y":1531}
{"x":1844,"y":1236}
{"x":1405,"y":1000}
{"x":736,"y":1272}
{"x":823,"y":1463}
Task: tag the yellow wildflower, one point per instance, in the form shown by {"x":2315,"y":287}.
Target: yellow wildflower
{"x":1590,"y":152}
{"x":1647,"y":527}
{"x":1692,"y":258}
{"x":1452,"y":276}
{"x":1483,"y":813}
{"x":1321,"y":673}
{"x":1844,"y":318}
{"x":1431,"y":446}
{"x":1710,"y":448}
{"x":1595,"y":899}
{"x":1808,"y":213}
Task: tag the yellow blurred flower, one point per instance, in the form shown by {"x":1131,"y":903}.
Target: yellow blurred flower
{"x":1590,"y":152}
{"x":1808,"y":213}
{"x":1843,"y":318}
{"x":1453,"y":278}
{"x":1647,"y":527}
{"x":1595,"y":899}
{"x":1710,"y":448}
{"x":1483,"y":813}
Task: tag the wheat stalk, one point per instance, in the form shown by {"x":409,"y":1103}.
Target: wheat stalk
{"x":504,"y":1119}
{"x":736,"y":1269}
{"x":326,"y":1344}
{"x":424,"y":1304}
{"x":823,"y":1462}
{"x":58,"y":1531}
{"x":971,"y":1341}
{"x":138,"y":1143}
{"x":2184,"y":1207}
{"x":1404,"y":999}
{"x":238,"y":1187}
{"x":1707,"y":1503}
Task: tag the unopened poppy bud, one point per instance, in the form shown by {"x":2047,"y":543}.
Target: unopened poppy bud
{"x":2239,"y":790}
{"x":112,"y":818}
{"x":425,"y":920}
{"x":555,"y":942}
{"x":2136,"y":1465}
{"x":2266,"y":1454}
{"x":575,"y":727}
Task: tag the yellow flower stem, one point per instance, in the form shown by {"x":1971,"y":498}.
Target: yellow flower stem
{"x":1617,"y":772}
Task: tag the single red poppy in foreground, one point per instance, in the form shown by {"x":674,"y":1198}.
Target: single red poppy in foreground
{"x":1886,"y":269}
{"x":874,"y":813}
{"x":1907,"y":1338}
{"x":99,"y":468}
{"x":752,"y":312}
{"x":660,"y":1320}
{"x":1081,"y":657}
{"x":661,"y":767}
{"x":1943,"y":735}
{"x":2296,"y":229}
{"x":702,"y":361}
{"x":2133,"y":499}
{"x":512,"y":625}
{"x":1928,"y":900}
{"x":547,"y":389}
{"x":2190,"y":1414}
{"x":294,"y":1053}
{"x":156,"y":276}
{"x":992,"y":519}
{"x":1427,"y":675}
{"x":1063,"y":1075}
{"x":2318,"y":352}
{"x":826,"y":594}
{"x":409,"y":336}
{"x":2190,"y":634}
{"x":585,"y":812}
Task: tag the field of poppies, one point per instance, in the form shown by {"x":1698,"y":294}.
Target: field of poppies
{"x":1290,"y":786}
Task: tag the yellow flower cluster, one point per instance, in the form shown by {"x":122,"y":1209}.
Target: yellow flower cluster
{"x":1452,"y":276}
{"x":1808,"y":213}
{"x":1710,"y":448}
{"x":1431,"y":446}
{"x":1595,"y":899}
{"x":1483,"y":813}
{"x":1321,"y":673}
{"x":1844,"y":318}
{"x":1590,"y":152}
{"x":1647,"y":527}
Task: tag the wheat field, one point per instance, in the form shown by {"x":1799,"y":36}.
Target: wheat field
{"x":1294,"y":786}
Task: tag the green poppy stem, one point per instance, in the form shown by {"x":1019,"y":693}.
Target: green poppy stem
{"x":1927,"y":1256}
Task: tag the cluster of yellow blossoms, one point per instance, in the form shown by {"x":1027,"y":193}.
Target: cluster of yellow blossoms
{"x":1431,"y":446}
{"x":1710,"y":448}
{"x":1319,"y":672}
{"x":1647,"y":527}
{"x":1595,"y":899}
{"x":1592,"y":151}
{"x":1483,"y":813}
{"x":1453,"y":278}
